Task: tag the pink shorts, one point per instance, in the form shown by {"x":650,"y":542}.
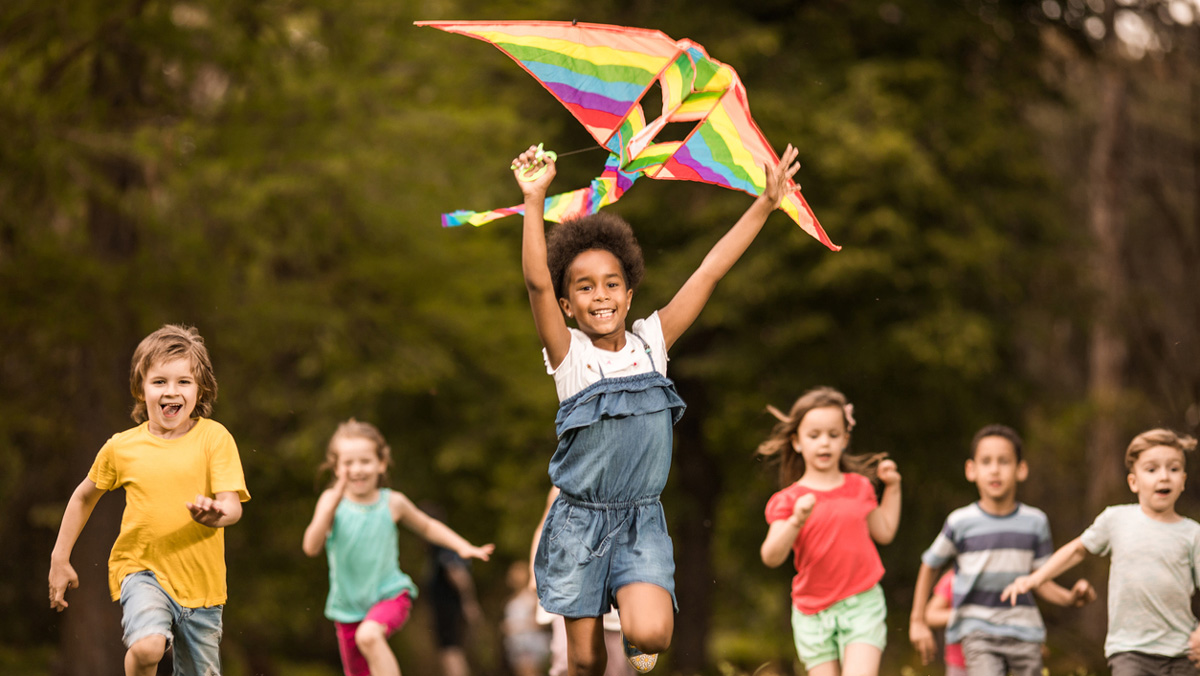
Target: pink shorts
{"x":391,"y":613}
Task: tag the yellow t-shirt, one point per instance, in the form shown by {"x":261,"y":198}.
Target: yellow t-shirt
{"x":160,"y":476}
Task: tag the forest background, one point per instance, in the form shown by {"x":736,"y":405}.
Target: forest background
{"x":1014,"y":184}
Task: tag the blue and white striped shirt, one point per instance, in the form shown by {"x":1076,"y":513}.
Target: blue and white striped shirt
{"x":990,"y":552}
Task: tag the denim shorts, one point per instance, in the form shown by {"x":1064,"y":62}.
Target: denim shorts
{"x":822,"y":637}
{"x":195,"y":633}
{"x":590,"y":550}
{"x":989,"y":655}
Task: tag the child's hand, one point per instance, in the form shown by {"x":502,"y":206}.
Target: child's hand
{"x":922,"y":639}
{"x":1021,"y":585}
{"x":888,"y":474}
{"x":779,"y":175}
{"x":206,"y":511}
{"x":529,"y":161}
{"x":62,"y":578}
{"x":473,"y":552}
{"x":802,"y":509}
{"x":1082,"y":593}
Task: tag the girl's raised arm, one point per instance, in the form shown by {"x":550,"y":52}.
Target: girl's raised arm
{"x":883,"y":521}
{"x":432,"y":530}
{"x":543,"y":297}
{"x":683,"y":309}
{"x":322,"y":520}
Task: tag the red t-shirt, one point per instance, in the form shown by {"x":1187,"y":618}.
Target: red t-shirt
{"x":834,"y":555}
{"x":945,"y":589}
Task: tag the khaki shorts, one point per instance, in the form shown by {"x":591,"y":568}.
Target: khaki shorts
{"x":823,"y":636}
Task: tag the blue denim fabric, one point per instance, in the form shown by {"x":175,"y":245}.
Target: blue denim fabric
{"x":195,"y":633}
{"x":607,"y":527}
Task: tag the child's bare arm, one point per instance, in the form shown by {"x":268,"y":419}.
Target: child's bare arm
{"x":884,"y":520}
{"x":691,"y":298}
{"x":938,"y":612}
{"x":543,"y":297}
{"x":1081,"y":593}
{"x":322,"y":520}
{"x":919,"y":632}
{"x":435,"y":531}
{"x":1067,"y":557}
{"x":79,"y":510}
{"x":781,"y":535}
{"x":221,"y":510}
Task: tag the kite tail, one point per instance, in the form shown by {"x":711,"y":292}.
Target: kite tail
{"x":604,"y":190}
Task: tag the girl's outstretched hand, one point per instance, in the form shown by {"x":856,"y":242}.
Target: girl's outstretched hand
{"x":887,"y":473}
{"x":529,"y":161}
{"x":779,"y":175}
{"x":803,"y":508}
{"x":481,"y":553}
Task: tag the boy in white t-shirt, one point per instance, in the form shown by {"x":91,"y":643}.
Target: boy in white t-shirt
{"x":1155,"y":564}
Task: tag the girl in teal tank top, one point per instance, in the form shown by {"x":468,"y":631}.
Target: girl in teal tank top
{"x":355,"y":523}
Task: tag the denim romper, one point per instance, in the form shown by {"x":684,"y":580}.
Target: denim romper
{"x":606,"y":529}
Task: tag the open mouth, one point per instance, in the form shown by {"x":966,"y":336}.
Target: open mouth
{"x":603,"y":314}
{"x":171,"y":410}
{"x":1163,"y":491}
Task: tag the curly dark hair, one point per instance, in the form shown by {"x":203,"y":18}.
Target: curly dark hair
{"x":603,"y":230}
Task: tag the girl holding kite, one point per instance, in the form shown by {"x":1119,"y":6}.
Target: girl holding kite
{"x":605,"y":537}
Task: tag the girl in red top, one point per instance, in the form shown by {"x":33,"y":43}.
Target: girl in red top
{"x":827,"y":516}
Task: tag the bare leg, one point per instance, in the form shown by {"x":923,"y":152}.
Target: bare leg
{"x":861,"y":659}
{"x":647,"y":616}
{"x":143,"y":657}
{"x":586,"y":654}
{"x":830,"y":668}
{"x":371,"y":639}
{"x":454,"y":662}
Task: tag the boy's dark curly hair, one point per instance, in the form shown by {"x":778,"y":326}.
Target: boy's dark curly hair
{"x":602,"y":230}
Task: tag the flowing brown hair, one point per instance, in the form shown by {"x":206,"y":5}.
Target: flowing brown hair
{"x":778,"y":446}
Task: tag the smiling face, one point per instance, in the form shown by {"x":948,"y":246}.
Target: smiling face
{"x":996,"y":471}
{"x":821,"y":439}
{"x":359,"y":462}
{"x":597,"y":297}
{"x":170,"y":391}
{"x":1157,"y":478}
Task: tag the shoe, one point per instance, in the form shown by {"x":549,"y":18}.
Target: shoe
{"x":640,"y":661}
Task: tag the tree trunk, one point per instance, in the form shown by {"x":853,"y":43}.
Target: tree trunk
{"x":1107,"y":347}
{"x":695,"y":511}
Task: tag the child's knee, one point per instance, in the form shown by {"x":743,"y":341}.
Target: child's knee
{"x":148,"y":651}
{"x":370,"y":636}
{"x":651,"y":635}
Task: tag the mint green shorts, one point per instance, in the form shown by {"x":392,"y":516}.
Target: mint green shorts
{"x":823,"y":637}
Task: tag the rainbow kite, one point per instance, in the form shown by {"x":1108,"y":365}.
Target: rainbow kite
{"x":600,"y":73}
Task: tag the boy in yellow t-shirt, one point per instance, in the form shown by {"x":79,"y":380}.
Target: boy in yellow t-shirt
{"x":183,"y":485}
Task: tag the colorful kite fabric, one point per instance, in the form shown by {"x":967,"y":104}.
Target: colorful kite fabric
{"x":601,"y":73}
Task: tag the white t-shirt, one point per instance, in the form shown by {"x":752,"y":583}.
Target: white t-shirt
{"x":1155,"y":570}
{"x":585,"y":362}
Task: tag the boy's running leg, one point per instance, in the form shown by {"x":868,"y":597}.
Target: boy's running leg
{"x":647,"y":621}
{"x":586,"y":654}
{"x":143,"y":657}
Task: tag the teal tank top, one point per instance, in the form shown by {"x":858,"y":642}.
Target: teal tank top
{"x":363,"y":552}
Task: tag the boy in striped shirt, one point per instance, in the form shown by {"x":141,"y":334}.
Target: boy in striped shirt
{"x":992,"y":542}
